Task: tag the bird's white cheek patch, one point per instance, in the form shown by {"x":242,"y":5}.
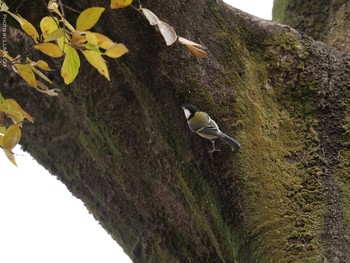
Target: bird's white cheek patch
{"x":187,"y":113}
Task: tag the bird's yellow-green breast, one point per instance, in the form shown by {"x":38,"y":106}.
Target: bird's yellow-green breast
{"x":199,"y":120}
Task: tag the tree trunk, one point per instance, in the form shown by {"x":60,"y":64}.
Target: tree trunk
{"x":124,"y":147}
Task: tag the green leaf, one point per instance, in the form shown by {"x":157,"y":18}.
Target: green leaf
{"x":88,"y":18}
{"x":71,"y":64}
{"x":2,"y":99}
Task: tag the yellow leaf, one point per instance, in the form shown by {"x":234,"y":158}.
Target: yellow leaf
{"x":27,"y":74}
{"x":40,"y":74}
{"x":43,"y":65}
{"x":17,"y":17}
{"x":63,"y":42}
{"x":78,"y":39}
{"x":50,"y":49}
{"x":103,"y":41}
{"x":26,"y":26}
{"x":30,"y":29}
{"x":53,"y":7}
{"x":116,"y":51}
{"x":99,"y":40}
{"x":15,"y":111}
{"x":96,"y":60}
{"x":1,"y":141}
{"x":10,"y":156}
{"x":71,"y":64}
{"x":12,"y":137}
{"x":47,"y":25}
{"x":91,"y":38}
{"x":28,"y":116}
{"x":11,"y":108}
{"x":5,"y":55}
{"x":10,"y":103}
{"x":15,"y":115}
{"x":54,"y":35}
{"x":115,"y":4}
{"x":88,"y":18}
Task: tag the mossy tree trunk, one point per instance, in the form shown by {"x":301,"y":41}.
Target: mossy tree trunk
{"x":124,"y":147}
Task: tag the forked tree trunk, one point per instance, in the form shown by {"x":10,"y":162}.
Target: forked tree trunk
{"x":124,"y":147}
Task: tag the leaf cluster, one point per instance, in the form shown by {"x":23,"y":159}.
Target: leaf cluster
{"x":11,"y":135}
{"x":59,"y":39}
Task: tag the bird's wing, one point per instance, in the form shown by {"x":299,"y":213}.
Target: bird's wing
{"x":211,"y":128}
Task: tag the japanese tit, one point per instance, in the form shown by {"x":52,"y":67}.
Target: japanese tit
{"x":200,"y":123}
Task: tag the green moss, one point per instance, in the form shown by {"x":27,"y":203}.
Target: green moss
{"x":275,"y":155}
{"x":310,"y":17}
{"x":279,"y":10}
{"x":344,"y":167}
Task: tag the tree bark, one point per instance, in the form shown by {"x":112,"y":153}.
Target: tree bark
{"x":124,"y":148}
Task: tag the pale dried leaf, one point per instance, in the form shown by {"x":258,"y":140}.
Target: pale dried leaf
{"x":44,"y":89}
{"x":195,"y":48}
{"x":199,"y":53}
{"x":151,"y":17}
{"x":167,"y":32}
{"x":189,"y":42}
{"x":3,"y":6}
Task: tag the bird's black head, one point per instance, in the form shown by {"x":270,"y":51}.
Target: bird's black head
{"x":189,"y":110}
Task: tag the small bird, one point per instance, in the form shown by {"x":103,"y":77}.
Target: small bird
{"x":200,"y":123}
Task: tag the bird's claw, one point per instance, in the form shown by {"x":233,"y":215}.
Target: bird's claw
{"x":214,"y":150}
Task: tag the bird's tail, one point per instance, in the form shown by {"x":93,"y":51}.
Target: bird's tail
{"x":232,"y":142}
